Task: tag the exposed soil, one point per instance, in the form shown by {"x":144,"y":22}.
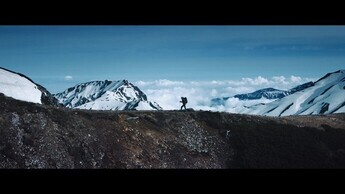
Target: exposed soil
{"x":41,"y":136}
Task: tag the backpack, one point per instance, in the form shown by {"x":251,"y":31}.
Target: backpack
{"x":184,"y":100}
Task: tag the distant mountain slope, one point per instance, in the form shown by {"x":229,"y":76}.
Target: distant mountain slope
{"x":267,"y":93}
{"x":106,"y":95}
{"x":20,"y":87}
{"x":325,"y":96}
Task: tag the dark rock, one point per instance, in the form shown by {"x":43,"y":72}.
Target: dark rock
{"x":41,"y":136}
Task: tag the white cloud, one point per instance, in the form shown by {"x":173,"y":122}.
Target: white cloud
{"x":220,"y":83}
{"x":168,"y":93}
{"x":165,"y":82}
{"x":68,"y":77}
{"x":142,"y":83}
{"x":295,"y":79}
{"x":280,"y":80}
{"x":238,"y":89}
{"x":261,"y":80}
{"x":170,"y":98}
{"x":214,"y":93}
{"x":161,"y":83}
{"x":256,"y":81}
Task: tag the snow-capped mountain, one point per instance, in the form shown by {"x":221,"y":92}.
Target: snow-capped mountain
{"x":106,"y":95}
{"x":268,"y":93}
{"x":265,"y":95}
{"x":325,"y":96}
{"x":20,"y":87}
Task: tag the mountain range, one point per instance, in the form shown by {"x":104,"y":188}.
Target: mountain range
{"x":266,"y":93}
{"x":94,"y":95}
{"x":325,"y":96}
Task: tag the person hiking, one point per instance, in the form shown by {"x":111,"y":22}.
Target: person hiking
{"x":184,"y":102}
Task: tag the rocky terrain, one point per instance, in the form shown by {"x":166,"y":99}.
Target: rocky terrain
{"x":42,"y":136}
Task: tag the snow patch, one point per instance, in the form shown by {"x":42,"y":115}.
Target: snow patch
{"x":18,"y":87}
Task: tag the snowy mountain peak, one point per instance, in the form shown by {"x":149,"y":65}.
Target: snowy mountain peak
{"x":325,"y":96}
{"x":106,"y":95}
{"x":20,"y":87}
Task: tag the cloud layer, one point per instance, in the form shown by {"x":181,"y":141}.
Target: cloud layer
{"x":68,"y":77}
{"x":167,"y":93}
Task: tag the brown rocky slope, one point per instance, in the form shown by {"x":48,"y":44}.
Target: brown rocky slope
{"x":41,"y":136}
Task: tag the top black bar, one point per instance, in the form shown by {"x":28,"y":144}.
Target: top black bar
{"x":226,"y":15}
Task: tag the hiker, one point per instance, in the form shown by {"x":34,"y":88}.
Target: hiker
{"x":184,"y":102}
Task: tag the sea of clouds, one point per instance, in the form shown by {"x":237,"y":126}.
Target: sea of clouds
{"x":168,"y":93}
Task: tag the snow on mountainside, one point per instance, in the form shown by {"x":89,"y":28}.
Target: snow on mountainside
{"x":325,"y":96}
{"x":268,"y":93}
{"x":20,"y":87}
{"x":263,"y":95}
{"x":106,"y":95}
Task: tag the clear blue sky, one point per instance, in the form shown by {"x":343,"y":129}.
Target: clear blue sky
{"x":188,"y":53}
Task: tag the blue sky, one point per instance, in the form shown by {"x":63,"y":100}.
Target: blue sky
{"x":48,"y":54}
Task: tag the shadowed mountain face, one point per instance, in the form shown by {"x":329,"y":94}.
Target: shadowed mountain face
{"x":41,"y":136}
